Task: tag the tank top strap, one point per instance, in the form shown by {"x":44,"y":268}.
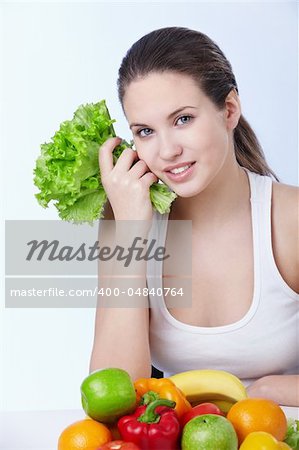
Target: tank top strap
{"x":154,"y":269}
{"x":261,"y":202}
{"x":261,"y":190}
{"x":159,"y":227}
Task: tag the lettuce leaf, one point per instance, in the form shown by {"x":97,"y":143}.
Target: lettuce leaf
{"x":67,"y":170}
{"x":292,"y":436}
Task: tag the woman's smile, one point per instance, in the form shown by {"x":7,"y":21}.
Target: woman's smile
{"x":181,"y":173}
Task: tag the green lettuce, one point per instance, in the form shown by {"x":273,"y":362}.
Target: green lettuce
{"x":292,"y":436}
{"x":67,"y":170}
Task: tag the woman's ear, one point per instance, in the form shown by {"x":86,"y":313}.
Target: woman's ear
{"x":232,"y":109}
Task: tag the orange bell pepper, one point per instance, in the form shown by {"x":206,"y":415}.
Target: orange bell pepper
{"x":165,"y":388}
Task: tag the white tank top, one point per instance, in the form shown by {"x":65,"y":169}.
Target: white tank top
{"x":263,"y":342}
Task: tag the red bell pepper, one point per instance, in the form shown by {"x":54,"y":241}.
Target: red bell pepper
{"x":152,"y":427}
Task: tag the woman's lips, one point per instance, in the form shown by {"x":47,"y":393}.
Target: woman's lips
{"x":182,"y":176}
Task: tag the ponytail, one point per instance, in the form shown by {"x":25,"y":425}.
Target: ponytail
{"x":248,"y":150}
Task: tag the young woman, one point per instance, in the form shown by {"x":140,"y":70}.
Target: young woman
{"x":181,"y":101}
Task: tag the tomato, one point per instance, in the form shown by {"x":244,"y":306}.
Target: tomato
{"x":260,"y":440}
{"x":203,"y":408}
{"x":119,"y":445}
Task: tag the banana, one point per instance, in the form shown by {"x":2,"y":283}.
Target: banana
{"x":208,"y":385}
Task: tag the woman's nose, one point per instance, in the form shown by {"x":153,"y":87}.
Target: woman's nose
{"x":168,"y":148}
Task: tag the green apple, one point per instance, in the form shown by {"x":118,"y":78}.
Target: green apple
{"x":108,"y":394}
{"x":209,"y":432}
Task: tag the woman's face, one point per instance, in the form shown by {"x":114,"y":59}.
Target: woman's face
{"x":175,"y":124}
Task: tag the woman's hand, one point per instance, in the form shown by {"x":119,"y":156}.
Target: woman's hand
{"x":283,"y":389}
{"x":126,"y":185}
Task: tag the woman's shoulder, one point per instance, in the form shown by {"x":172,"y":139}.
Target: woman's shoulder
{"x":285,"y":199}
{"x":285,"y":205}
{"x":285,"y":229}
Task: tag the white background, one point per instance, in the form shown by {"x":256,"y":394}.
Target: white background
{"x":55,"y":56}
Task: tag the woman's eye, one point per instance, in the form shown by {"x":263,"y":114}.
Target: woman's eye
{"x":144,"y":132}
{"x":184,"y":119}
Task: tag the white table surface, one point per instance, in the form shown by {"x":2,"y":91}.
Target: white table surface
{"x":39,"y":430}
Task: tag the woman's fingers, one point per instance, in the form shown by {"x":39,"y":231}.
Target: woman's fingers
{"x":148,"y":179}
{"x":141,"y":171}
{"x":106,"y":157}
{"x":125,"y":160}
{"x":138,"y":169}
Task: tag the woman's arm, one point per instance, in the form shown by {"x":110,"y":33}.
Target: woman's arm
{"x":122,"y":321}
{"x":121,"y":340}
{"x":285,"y":229}
{"x":283,"y":389}
{"x":121,"y":333}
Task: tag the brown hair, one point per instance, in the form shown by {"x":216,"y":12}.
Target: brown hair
{"x":193,"y":53}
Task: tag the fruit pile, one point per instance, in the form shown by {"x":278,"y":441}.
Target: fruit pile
{"x":194,"y":410}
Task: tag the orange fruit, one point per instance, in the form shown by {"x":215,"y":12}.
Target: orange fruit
{"x":85,"y":434}
{"x":258,"y":414}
